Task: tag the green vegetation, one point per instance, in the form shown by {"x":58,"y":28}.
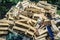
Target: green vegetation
{"x":58,"y":12}
{"x":5,"y":5}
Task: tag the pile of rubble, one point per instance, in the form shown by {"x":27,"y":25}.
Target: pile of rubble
{"x":36,"y":20}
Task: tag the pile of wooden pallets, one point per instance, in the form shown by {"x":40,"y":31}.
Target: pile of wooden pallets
{"x":34,"y":20}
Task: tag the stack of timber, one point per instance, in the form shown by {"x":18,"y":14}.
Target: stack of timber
{"x":35,"y":20}
{"x":3,"y":27}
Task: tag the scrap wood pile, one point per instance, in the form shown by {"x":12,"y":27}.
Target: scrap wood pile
{"x":38,"y":21}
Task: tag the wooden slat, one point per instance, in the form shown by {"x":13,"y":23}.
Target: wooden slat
{"x":44,"y":3}
{"x":31,"y":33}
{"x":42,"y":36}
{"x":27,"y":18}
{"x":22,"y":20}
{"x":10,"y":18}
{"x":4,"y":24}
{"x":34,"y":10}
{"x":18,"y":28}
{"x":22,"y":29}
{"x":3,"y":28}
{"x":55,"y":28}
{"x":3,"y":32}
{"x":28,"y":26}
{"x":41,"y":32}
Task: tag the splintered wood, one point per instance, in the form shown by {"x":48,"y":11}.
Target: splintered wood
{"x":31,"y":19}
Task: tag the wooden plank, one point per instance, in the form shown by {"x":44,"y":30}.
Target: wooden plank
{"x":24,"y":30}
{"x":58,"y":35}
{"x":42,"y":36}
{"x":34,"y":10}
{"x":59,"y":27}
{"x":3,"y":28}
{"x":22,"y":20}
{"x":31,"y":33}
{"x":40,"y":15}
{"x":42,"y":6}
{"x":7,"y":22}
{"x":35,"y":7}
{"x":36,"y":15}
{"x":41,"y":32}
{"x":4,"y":24}
{"x":3,"y":32}
{"x":27,"y":18}
{"x":28,"y":26}
{"x":44,"y":3}
{"x":55,"y":28}
{"x":10,"y":18}
{"x":18,"y":28}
